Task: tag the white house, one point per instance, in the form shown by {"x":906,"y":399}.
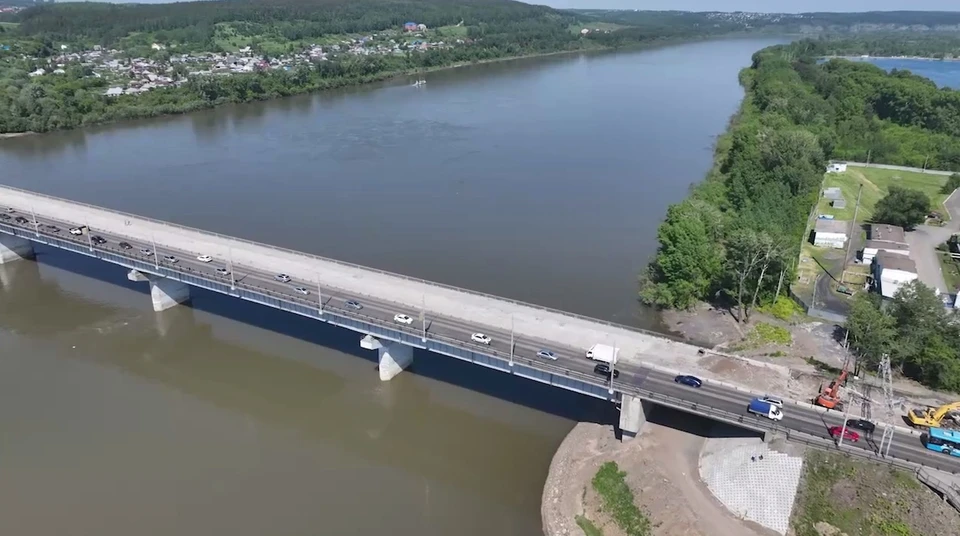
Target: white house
{"x":837,"y":167}
{"x":892,"y":271}
{"x":884,"y":237}
{"x":830,"y":233}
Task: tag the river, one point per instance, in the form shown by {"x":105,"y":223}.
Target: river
{"x":542,"y":180}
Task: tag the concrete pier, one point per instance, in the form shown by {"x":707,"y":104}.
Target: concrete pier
{"x":633,"y":415}
{"x":165,"y":293}
{"x":14,"y":248}
{"x":394,"y":357}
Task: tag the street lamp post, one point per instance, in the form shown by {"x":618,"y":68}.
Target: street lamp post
{"x":233,"y":277}
{"x":613,"y":366}
{"x":36,"y":224}
{"x":843,"y":429}
{"x":319,"y":297}
{"x":423,"y":317}
{"x":156,"y":254}
{"x":511,"y":340}
{"x":89,"y":237}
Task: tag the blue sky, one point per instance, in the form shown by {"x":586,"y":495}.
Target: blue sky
{"x":778,"y":6}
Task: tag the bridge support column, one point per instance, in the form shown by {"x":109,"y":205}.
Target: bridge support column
{"x":14,"y":248}
{"x":633,"y":415}
{"x":165,"y":293}
{"x":394,"y":357}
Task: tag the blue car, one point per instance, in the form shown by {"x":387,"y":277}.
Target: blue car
{"x":692,"y":381}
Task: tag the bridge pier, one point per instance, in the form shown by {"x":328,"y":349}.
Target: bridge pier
{"x":633,"y":415}
{"x":394,"y":357}
{"x":14,"y":248}
{"x":165,"y":293}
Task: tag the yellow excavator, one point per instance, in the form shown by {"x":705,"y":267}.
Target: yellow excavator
{"x":931,"y":417}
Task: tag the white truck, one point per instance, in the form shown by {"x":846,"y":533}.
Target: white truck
{"x":603,"y":353}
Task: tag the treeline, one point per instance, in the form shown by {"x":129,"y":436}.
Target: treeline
{"x":190,"y":22}
{"x":737,"y":236}
{"x":921,"y":338}
{"x":933,"y":45}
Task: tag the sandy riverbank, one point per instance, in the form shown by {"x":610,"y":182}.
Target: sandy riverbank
{"x":662,"y":470}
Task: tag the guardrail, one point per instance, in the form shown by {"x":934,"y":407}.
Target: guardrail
{"x":127,"y":215}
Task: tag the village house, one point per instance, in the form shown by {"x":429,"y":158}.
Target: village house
{"x":883,"y":237}
{"x":891,"y":272}
{"x":830,"y":233}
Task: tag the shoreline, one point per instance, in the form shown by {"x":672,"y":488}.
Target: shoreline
{"x":387,"y":76}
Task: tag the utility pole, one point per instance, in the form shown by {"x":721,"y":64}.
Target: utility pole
{"x":843,"y":429}
{"x":925,"y":159}
{"x":868,"y":155}
{"x":856,"y":210}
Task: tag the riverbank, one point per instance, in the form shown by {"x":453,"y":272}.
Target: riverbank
{"x":176,"y":101}
{"x":661,"y":467}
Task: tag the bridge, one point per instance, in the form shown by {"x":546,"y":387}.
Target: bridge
{"x":167,"y":257}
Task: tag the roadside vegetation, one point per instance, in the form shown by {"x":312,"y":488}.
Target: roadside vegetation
{"x":920,"y":336}
{"x":876,"y":185}
{"x":842,"y":495}
{"x":617,"y":501}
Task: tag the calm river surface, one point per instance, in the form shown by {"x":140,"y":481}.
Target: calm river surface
{"x":540,"y":180}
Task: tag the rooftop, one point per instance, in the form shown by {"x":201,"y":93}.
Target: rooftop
{"x":886,"y":244}
{"x":890,"y":233}
{"x":892,"y":261}
{"x":832,"y":226}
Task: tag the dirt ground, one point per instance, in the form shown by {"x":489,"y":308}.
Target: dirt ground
{"x":840,"y":496}
{"x":815,"y":349}
{"x":661,"y":466}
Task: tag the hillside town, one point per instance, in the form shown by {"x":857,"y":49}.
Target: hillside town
{"x":163,"y":67}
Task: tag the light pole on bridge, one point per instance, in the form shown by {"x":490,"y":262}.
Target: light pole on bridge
{"x":511,"y":340}
{"x":423,"y":317}
{"x":156,"y":254}
{"x":36,"y":224}
{"x":233,"y":278}
{"x":89,"y":236}
{"x":319,"y":296}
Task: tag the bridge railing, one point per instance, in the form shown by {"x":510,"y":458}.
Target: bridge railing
{"x":127,"y":215}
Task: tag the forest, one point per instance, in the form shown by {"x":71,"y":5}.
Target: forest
{"x":736,"y":238}
{"x":490,"y":30}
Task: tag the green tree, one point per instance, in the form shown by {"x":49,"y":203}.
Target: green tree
{"x":903,"y":207}
{"x":689,"y":259}
{"x":872,"y":331}
{"x":953,"y":182}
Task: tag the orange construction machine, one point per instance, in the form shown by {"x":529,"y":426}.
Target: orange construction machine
{"x":829,"y":396}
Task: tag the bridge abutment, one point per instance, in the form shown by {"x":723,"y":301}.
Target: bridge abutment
{"x":165,"y":293}
{"x":633,"y":415}
{"x":14,"y":248}
{"x":394,"y":357}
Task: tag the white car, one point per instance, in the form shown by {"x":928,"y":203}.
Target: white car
{"x":223,"y":271}
{"x":402,"y":319}
{"x":205,"y":258}
{"x":481,"y":338}
{"x":283,"y":278}
{"x":76,"y":231}
{"x":773,"y":401}
{"x":301,"y":290}
{"x":171,"y":259}
{"x":146,"y":252}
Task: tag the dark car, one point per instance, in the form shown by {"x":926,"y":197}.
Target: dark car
{"x":125,"y":245}
{"x":5,"y":217}
{"x":21,"y":220}
{"x":862,"y":424}
{"x":97,"y":239}
{"x":603,"y":369}
{"x":53,"y":228}
{"x":692,"y":381}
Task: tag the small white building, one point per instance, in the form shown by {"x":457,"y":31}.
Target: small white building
{"x":830,"y":233}
{"x":891,"y":272}
{"x":837,"y":167}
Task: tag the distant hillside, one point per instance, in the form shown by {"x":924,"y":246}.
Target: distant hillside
{"x":109,"y":22}
{"x":873,"y":21}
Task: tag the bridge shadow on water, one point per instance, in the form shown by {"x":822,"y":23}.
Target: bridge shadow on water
{"x":437,"y":367}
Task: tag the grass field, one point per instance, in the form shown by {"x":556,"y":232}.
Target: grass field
{"x":876,"y":184}
{"x":594,"y":26}
{"x":866,"y":498}
{"x":10,"y":25}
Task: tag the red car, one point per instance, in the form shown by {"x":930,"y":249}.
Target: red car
{"x":848,"y":434}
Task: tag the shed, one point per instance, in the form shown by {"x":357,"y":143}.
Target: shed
{"x":830,"y":233}
{"x":837,"y":167}
{"x":891,"y":272}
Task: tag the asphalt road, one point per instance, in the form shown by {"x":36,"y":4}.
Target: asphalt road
{"x":812,"y":421}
